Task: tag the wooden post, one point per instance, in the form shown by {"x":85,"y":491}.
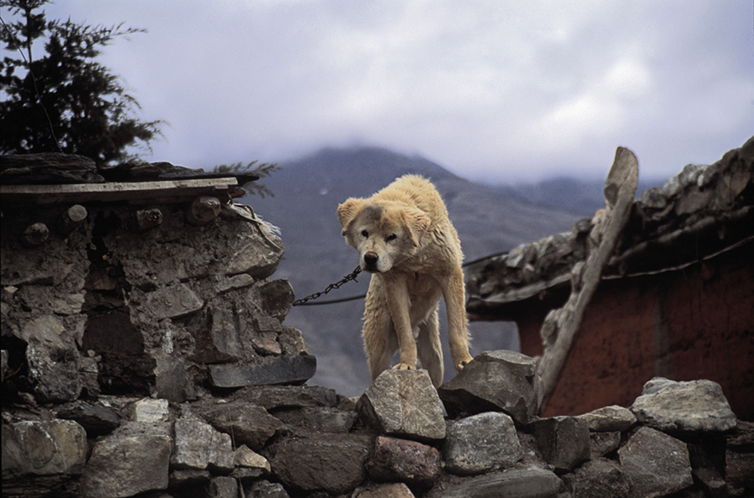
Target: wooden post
{"x":203,"y":210}
{"x":561,"y":325}
{"x":72,"y":218}
{"x":36,"y":234}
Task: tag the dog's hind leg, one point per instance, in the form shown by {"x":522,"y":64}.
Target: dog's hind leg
{"x":429,"y":348}
{"x":458,"y":334}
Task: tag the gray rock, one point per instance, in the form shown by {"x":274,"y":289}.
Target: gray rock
{"x":563,"y":441}
{"x":172,"y":302}
{"x":150,"y":410}
{"x":3,"y":364}
{"x":172,"y":380}
{"x":320,"y":419}
{"x":532,"y":482}
{"x":218,"y":341}
{"x":188,"y":478}
{"x":739,"y":459}
{"x":405,"y":461}
{"x":235,"y":282}
{"x":698,"y":405}
{"x":495,"y":380}
{"x":109,"y":475}
{"x":254,"y":256}
{"x":609,"y":418}
{"x":404,"y":403}
{"x":249,"y":424}
{"x":599,"y":478}
{"x":483,"y":442}
{"x":55,"y":370}
{"x":245,"y":457}
{"x":655,"y":463}
{"x":320,"y":462}
{"x":198,"y":445}
{"x":278,"y":370}
{"x":222,"y":487}
{"x":277,"y":397}
{"x":44,"y":447}
{"x":274,"y":298}
{"x":602,"y":443}
{"x":51,"y":299}
{"x":394,"y":490}
{"x":95,"y":418}
{"x":265,"y":489}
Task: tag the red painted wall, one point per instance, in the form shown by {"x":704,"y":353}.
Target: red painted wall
{"x":694,"y":323}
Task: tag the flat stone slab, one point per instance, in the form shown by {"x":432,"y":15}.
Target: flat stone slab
{"x":282,"y":370}
{"x":670,"y":406}
{"x":532,"y":482}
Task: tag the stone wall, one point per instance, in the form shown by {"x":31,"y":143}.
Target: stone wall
{"x":152,"y":360}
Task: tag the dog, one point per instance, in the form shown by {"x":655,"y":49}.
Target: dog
{"x":407,"y":242}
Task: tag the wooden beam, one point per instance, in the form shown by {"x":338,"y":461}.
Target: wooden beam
{"x":133,"y":192}
{"x":562,"y":325}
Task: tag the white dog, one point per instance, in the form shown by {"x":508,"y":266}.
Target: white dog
{"x":405,"y":239}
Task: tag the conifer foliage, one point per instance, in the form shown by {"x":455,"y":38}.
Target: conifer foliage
{"x":64,"y":101}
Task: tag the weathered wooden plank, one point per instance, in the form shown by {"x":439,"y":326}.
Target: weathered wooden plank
{"x":561,"y":325}
{"x":136,"y":192}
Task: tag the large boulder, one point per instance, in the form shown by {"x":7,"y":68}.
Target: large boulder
{"x":528,"y":482}
{"x":694,"y":406}
{"x":404,"y":460}
{"x":655,"y":463}
{"x":494,"y":381}
{"x":563,"y":441}
{"x":404,"y":403}
{"x":44,"y":447}
{"x":320,"y":462}
{"x":480,"y":443}
{"x":109,"y":475}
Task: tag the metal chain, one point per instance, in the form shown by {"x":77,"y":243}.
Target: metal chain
{"x":347,"y":278}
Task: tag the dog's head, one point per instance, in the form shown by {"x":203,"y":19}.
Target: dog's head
{"x":385,"y":233}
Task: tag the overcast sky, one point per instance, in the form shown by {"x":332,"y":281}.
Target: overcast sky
{"x":495,"y":90}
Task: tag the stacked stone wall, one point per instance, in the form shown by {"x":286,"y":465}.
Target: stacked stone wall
{"x":153,"y":361}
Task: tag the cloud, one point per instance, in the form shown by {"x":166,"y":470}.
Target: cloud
{"x":491,"y":89}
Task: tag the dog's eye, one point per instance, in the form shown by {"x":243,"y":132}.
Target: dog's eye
{"x":365,"y":234}
{"x":390,"y":237}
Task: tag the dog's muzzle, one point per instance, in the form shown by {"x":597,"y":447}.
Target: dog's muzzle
{"x":370,"y":262}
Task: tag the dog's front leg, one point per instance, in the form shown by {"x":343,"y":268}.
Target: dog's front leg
{"x":458,"y":335}
{"x":398,"y":301}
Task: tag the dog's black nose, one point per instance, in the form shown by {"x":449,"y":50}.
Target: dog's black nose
{"x":370,"y":259}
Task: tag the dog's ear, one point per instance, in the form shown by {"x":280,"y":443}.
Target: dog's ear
{"x":417,"y":223}
{"x":348,"y":211}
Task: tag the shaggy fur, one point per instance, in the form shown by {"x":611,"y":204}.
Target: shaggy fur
{"x":405,"y":239}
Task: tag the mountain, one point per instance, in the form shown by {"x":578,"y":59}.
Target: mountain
{"x":569,"y":194}
{"x":307,"y":193}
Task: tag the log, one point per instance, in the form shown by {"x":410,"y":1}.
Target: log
{"x":561,"y":325}
{"x":203,"y":210}
{"x":72,"y":217}
{"x":162,"y":192}
{"x":36,"y":234}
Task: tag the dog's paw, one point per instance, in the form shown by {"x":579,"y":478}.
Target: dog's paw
{"x":461,"y":364}
{"x":404,"y":366}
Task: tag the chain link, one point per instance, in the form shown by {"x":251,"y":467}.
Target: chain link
{"x":347,"y":278}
